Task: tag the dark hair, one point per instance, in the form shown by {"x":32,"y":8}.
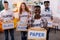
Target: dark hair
{"x":46,"y":2}
{"x":5,"y":1}
{"x":37,"y":7}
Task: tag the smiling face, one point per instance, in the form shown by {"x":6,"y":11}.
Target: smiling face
{"x":23,"y":7}
{"x":37,"y":10}
{"x":46,"y":5}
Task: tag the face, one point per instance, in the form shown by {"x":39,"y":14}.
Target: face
{"x":6,"y":5}
{"x":37,"y":10}
{"x":23,"y":6}
{"x":46,"y":5}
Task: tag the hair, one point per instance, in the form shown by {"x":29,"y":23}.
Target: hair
{"x":26,"y":8}
{"x":37,"y":7}
{"x":37,"y":16}
{"x":46,"y":2}
{"x":5,"y":1}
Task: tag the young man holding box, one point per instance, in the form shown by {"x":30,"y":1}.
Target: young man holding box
{"x":6,"y":16}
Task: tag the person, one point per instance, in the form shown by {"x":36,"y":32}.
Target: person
{"x":24,"y":15}
{"x":37,"y":20}
{"x":5,"y":16}
{"x":47,"y":12}
{"x":48,"y":15}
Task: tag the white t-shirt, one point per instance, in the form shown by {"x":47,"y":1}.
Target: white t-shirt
{"x":6,"y":15}
{"x":46,"y":14}
{"x":37,"y":23}
{"x":24,"y":17}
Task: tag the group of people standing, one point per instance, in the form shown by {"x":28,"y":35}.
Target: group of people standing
{"x":25,"y":16}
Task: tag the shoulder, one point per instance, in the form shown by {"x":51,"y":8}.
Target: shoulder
{"x":28,"y":12}
{"x":2,"y":12}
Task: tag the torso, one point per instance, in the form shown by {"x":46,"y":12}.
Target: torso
{"x":7,"y":15}
{"x":46,"y":14}
{"x":24,"y":17}
{"x":37,"y":23}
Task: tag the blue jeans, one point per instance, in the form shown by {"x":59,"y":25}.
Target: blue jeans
{"x":23,"y":35}
{"x":11,"y":34}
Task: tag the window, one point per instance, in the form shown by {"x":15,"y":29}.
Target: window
{"x":1,"y":6}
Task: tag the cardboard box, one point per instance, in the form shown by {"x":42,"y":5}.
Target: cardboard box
{"x":8,"y":25}
{"x":21,"y":27}
{"x":37,"y":33}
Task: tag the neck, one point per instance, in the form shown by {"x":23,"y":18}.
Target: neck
{"x":6,"y":8}
{"x":23,"y":10}
{"x":37,"y":16}
{"x":47,"y":8}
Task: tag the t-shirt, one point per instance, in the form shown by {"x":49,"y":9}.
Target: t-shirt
{"x":6,"y":15}
{"x":37,"y":23}
{"x":46,"y":14}
{"x":24,"y":18}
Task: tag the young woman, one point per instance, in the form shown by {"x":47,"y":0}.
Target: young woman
{"x":24,"y":15}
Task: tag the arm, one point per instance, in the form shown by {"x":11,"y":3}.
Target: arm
{"x":31,"y":20}
{"x":51,"y":15}
{"x":44,"y":22}
{"x":1,"y":20}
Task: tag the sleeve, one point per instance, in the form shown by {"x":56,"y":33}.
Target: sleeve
{"x":29,"y":16}
{"x":0,"y":15}
{"x":51,"y":15}
{"x":1,"y":19}
{"x":31,"y":21}
{"x":44,"y":22}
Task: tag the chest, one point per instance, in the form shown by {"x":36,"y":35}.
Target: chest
{"x":37,"y":22}
{"x":24,"y":14}
{"x":47,"y":12}
{"x":7,"y":14}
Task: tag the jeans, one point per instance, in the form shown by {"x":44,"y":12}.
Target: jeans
{"x":48,"y":34}
{"x":23,"y":35}
{"x":11,"y":34}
